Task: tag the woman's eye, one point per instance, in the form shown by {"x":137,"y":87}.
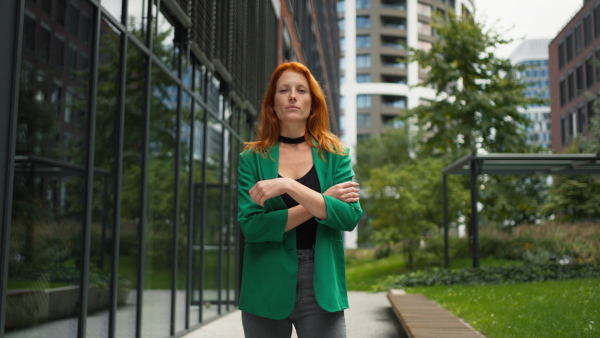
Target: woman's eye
{"x":283,"y":90}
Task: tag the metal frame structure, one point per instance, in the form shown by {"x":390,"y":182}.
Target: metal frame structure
{"x":510,"y":164}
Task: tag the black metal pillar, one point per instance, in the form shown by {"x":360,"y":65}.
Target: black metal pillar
{"x":10,"y":31}
{"x":446,"y":243}
{"x":475,"y":169}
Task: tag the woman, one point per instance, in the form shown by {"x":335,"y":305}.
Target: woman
{"x":296,"y":195}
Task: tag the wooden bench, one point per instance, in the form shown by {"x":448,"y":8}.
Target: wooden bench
{"x":423,"y":318}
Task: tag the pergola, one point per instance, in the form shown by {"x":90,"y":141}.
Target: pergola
{"x":510,"y":164}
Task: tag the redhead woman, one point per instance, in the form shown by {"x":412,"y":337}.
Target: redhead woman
{"x":296,"y":196}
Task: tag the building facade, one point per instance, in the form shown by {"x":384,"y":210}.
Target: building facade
{"x":533,"y":54}
{"x":377,"y":81}
{"x":574,"y":75}
{"x":119,"y":140}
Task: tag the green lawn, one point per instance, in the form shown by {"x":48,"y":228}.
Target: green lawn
{"x":365,"y":273}
{"x":546,"y":309}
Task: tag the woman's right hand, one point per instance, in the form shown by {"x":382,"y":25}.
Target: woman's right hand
{"x":345,"y":192}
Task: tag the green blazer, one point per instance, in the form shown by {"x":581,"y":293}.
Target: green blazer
{"x":270,"y":270}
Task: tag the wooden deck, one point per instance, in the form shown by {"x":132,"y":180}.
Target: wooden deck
{"x":423,"y":318}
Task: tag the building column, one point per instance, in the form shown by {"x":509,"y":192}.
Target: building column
{"x":9,"y":66}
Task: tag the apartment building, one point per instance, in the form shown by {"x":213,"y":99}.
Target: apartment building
{"x":376,"y":77}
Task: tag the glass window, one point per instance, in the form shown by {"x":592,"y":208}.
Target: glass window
{"x":393,"y":22}
{"x":342,"y":44}
{"x":569,"y":42}
{"x":59,"y":53}
{"x":104,"y":194}
{"x":164,"y":44}
{"x":61,"y":12}
{"x":363,"y":22}
{"x":596,"y":21}
{"x":363,"y":41}
{"x":363,"y":78}
{"x":424,"y":28}
{"x":393,"y":41}
{"x":363,"y":61}
{"x":578,"y":38}
{"x":391,"y":101}
{"x":363,"y":101}
{"x":44,"y":49}
{"x":395,"y":4}
{"x":342,"y":24}
{"x":587,"y":30}
{"x":581,"y":120}
{"x":563,"y":131}
{"x":342,"y":63}
{"x":363,"y":4}
{"x":571,"y":86}
{"x":114,"y":7}
{"x":73,"y":19}
{"x":137,"y":22}
{"x":424,"y":45}
{"x":563,"y":92}
{"x":29,"y":29}
{"x":48,"y":196}
{"x":363,"y":120}
{"x":424,"y":9}
{"x":589,"y":72}
{"x":580,"y":81}
{"x":341,"y":6}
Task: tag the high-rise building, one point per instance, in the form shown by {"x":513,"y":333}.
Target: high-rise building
{"x":533,"y":54}
{"x":121,"y":125}
{"x":377,"y":81}
{"x":574,"y":75}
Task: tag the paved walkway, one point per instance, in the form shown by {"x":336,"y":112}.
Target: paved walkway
{"x":370,"y":316}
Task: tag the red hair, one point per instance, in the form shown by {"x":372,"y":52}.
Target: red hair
{"x":317,"y":126}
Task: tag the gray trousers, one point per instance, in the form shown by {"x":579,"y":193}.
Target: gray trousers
{"x":309,"y":319}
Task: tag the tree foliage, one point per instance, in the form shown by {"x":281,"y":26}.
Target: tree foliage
{"x":577,"y":197}
{"x":478,"y":96}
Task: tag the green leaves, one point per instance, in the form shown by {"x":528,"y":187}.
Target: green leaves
{"x":494,"y":275}
{"x":478,"y":96}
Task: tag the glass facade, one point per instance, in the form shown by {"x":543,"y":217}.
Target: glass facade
{"x":120,"y":148}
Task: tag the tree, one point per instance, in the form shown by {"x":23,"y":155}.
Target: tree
{"x":479,"y":99}
{"x":576,"y":197}
{"x":405,"y":203}
{"x":478,"y":96}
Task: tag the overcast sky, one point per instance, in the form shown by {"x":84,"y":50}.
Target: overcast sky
{"x":532,"y":19}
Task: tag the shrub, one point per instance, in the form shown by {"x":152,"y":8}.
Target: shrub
{"x":493,"y":275}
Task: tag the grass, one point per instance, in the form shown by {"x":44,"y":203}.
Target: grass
{"x":365,"y":273}
{"x":547,"y":309}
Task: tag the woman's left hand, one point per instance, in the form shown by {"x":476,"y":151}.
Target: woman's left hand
{"x":263,"y":190}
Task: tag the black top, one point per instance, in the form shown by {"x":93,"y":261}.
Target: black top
{"x":306,"y":232}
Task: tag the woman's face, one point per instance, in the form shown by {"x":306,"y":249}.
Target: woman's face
{"x":292,"y":101}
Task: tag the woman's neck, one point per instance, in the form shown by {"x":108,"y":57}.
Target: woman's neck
{"x":292,"y":130}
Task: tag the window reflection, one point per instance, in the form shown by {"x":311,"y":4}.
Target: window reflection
{"x":160,"y":195}
{"x":47,"y":203}
{"x":105,"y":159}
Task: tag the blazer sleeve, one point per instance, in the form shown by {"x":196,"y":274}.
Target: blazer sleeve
{"x":257,"y":224}
{"x":341,"y":215}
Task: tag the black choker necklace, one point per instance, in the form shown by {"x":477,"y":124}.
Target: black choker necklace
{"x":288,"y":140}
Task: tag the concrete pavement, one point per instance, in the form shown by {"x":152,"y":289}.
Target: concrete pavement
{"x":370,"y":316}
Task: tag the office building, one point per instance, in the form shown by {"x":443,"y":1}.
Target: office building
{"x":533,"y":54}
{"x":120,"y":130}
{"x":574,"y":75}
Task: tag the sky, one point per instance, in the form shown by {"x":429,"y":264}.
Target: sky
{"x":532,"y":19}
